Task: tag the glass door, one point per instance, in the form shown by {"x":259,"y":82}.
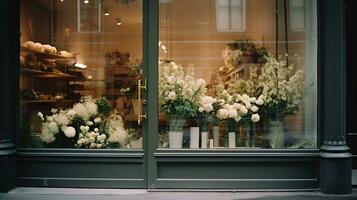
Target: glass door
{"x":233,"y":76}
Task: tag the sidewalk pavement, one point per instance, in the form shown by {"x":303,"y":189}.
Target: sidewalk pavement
{"x":134,"y":194}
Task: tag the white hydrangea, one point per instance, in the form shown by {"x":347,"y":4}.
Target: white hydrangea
{"x":61,"y":119}
{"x":70,"y":132}
{"x":53,"y":127}
{"x":254,"y":108}
{"x":92,"y":108}
{"x":172,"y":96}
{"x":97,"y":120}
{"x":119,"y":136}
{"x":222,"y":114}
{"x":81,"y":110}
{"x":255,"y":118}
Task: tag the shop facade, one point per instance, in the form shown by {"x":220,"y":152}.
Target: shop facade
{"x":104,"y":95}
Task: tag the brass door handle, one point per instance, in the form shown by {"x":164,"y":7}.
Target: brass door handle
{"x":140,"y":102}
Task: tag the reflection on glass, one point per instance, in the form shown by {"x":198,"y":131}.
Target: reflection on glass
{"x":79,"y":72}
{"x":237,"y":74}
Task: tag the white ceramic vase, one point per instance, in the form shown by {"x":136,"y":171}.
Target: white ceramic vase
{"x":194,"y":137}
{"x":204,"y":137}
{"x":232,"y":140}
{"x":175,"y":139}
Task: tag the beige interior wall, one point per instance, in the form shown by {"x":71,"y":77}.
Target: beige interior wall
{"x":191,"y":35}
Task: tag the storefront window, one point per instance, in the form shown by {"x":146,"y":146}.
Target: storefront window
{"x":80,"y":64}
{"x":252,"y":87}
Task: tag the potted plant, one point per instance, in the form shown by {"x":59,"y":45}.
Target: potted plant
{"x":179,"y":93}
{"x":208,"y":107}
{"x":283,"y":92}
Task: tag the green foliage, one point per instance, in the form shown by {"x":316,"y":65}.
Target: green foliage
{"x":183,"y":108}
{"x":249,"y":48}
{"x":104,"y":107}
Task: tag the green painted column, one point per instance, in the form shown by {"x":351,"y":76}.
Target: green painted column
{"x":335,"y":159}
{"x":9,"y":91}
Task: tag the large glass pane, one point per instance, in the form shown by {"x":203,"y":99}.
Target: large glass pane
{"x":80,"y":64}
{"x":248,"y":87}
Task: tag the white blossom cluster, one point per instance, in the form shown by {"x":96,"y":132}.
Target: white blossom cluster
{"x":238,"y":106}
{"x":283,"y":88}
{"x":57,"y":122}
{"x":176,"y":85}
{"x":117,"y":132}
{"x":84,"y":121}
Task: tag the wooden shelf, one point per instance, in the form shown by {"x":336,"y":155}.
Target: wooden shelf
{"x":81,"y":89}
{"x":41,"y":74}
{"x":47,"y":101}
{"x":45,"y":55}
{"x":60,"y":60}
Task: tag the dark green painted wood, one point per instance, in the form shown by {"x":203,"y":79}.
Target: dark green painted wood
{"x":81,"y":168}
{"x":152,"y":24}
{"x":7,"y":166}
{"x":9,"y":57}
{"x":335,"y":170}
{"x":214,"y":170}
{"x":146,"y":72}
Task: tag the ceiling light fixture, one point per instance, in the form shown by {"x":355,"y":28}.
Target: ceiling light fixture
{"x":80,"y":65}
{"x":119,"y":23}
{"x":106,"y":12}
{"x":86,"y":1}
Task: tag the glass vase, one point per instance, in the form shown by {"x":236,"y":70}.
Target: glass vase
{"x":276,"y":134}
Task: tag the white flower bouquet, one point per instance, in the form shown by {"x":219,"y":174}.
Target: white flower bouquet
{"x":85,"y":125}
{"x":283,"y":87}
{"x":179,"y":93}
{"x":238,"y":108}
{"x":208,"y":107}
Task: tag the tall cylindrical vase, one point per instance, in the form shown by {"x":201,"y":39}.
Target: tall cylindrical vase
{"x":204,"y":137}
{"x":175,"y":139}
{"x":232,"y":140}
{"x":216,"y":136}
{"x":276,"y":134}
{"x":176,"y":124}
{"x":194,"y":137}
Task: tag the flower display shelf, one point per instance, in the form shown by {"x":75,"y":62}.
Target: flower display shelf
{"x":43,"y":74}
{"x":62,"y":60}
{"x":47,"y":101}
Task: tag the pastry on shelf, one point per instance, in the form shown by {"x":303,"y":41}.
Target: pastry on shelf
{"x":49,"y":49}
{"x":65,"y":54}
{"x":45,"y":48}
